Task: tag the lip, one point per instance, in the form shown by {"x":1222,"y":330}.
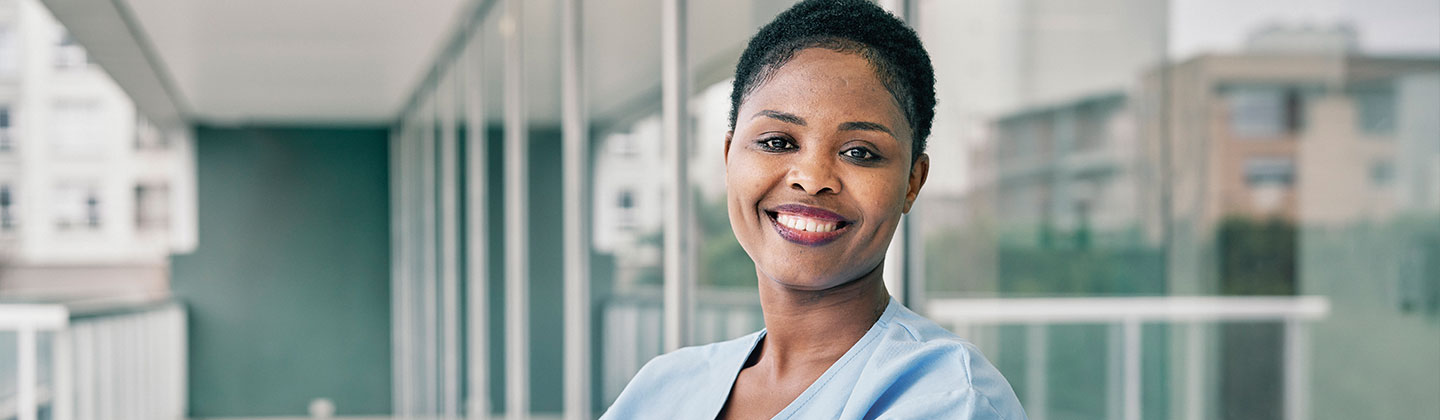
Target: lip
{"x":805,"y":237}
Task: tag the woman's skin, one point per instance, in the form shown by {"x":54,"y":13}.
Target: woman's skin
{"x":824,"y":139}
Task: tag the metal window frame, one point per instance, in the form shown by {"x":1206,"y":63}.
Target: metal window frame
{"x":470,"y":65}
{"x":679,"y":285}
{"x":576,"y":154}
{"x":517,"y":188}
{"x":445,"y":101}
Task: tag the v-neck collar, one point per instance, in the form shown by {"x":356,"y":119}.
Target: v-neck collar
{"x":736,"y":362}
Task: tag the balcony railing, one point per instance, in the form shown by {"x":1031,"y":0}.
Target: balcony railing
{"x":632,"y":326}
{"x":94,"y":361}
{"x":1128,"y":314}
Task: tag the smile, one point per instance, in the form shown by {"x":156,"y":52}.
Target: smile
{"x":807,"y":225}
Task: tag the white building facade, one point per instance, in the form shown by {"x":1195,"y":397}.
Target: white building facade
{"x":93,"y":197}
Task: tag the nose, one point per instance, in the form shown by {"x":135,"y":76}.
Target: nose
{"x":814,"y":175}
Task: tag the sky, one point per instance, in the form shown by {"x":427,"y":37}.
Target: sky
{"x":1384,"y":26}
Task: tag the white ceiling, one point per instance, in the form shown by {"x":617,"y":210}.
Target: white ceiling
{"x":278,"y":61}
{"x":360,"y":61}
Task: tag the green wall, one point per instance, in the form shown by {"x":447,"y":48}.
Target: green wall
{"x":288,"y":289}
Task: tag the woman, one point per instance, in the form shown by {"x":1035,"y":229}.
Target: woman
{"x":830,"y":109}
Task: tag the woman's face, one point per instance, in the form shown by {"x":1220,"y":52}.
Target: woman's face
{"x":818,"y":171}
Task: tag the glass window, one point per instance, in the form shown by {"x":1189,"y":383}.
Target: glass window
{"x":76,"y":207}
{"x":1269,"y":171}
{"x":1382,"y":173}
{"x":152,"y":206}
{"x":7,"y":208}
{"x":622,"y":83}
{"x":9,"y":51}
{"x":7,"y":138}
{"x":1374,"y":108}
{"x":1258,"y":112}
{"x":1076,"y":159}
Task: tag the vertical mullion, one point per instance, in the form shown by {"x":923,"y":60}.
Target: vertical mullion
{"x":449,"y":268}
{"x":407,"y":175}
{"x":577,"y":247}
{"x":397,"y":263}
{"x":895,"y":270}
{"x":428,"y":256}
{"x":678,"y":307}
{"x":517,"y":365}
{"x":477,"y":303}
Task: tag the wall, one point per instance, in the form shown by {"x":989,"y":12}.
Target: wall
{"x":288,"y":288}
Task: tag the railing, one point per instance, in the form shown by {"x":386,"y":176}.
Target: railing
{"x":106,"y":361}
{"x":1128,"y":314}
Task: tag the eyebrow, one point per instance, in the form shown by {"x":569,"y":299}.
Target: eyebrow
{"x":847,"y":126}
{"x":782,"y":116}
{"x":865,"y":126}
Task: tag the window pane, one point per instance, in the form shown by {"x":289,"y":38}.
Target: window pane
{"x":1247,"y":154}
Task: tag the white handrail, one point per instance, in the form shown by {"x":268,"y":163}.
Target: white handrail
{"x":28,"y":320}
{"x":1129,"y":314}
{"x":103,"y":352}
{"x":1116,"y":309}
{"x":40,"y":317}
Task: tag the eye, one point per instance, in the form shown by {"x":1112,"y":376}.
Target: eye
{"x":776,"y":144}
{"x":860,"y":154}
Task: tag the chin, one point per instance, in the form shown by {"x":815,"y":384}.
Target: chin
{"x":792,"y":277}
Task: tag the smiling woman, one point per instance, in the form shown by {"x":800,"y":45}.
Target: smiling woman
{"x":830,"y":109}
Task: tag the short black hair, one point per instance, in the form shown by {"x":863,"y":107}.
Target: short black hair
{"x":848,"y":26}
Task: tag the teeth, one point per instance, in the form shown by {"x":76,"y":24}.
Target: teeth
{"x":805,"y":223}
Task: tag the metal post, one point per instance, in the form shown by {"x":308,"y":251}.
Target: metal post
{"x":1297,"y":375}
{"x":397,"y":265}
{"x":577,"y":245}
{"x":64,"y":379}
{"x":409,"y":144}
{"x":1194,"y":371}
{"x":1037,"y":373}
{"x":476,"y":234}
{"x":25,"y":402}
{"x":517,"y":275}
{"x":674,"y":91}
{"x":429,"y":391}
{"x":1131,"y":373}
{"x":449,"y":250}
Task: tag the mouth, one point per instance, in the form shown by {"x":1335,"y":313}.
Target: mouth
{"x":807,"y":225}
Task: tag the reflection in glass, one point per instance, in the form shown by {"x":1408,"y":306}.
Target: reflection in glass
{"x":1236,"y":150}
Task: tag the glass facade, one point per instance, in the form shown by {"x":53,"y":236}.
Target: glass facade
{"x":1138,"y":209}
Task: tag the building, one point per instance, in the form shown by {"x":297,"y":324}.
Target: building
{"x":93,"y":196}
{"x":1261,"y":135}
{"x":1302,"y":166}
{"x":1068,"y":171}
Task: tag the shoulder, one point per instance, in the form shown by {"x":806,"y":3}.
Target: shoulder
{"x":919,"y":367}
{"x":695,"y":360}
{"x":675,"y":378}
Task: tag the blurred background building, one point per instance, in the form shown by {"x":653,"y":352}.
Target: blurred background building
{"x":1139,"y":209}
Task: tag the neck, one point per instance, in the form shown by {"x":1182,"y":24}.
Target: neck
{"x":805,"y":327}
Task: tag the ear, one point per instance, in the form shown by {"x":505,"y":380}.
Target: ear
{"x":919,"y":171}
{"x":728,"y":135}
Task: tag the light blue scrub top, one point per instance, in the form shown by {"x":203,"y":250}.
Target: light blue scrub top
{"x":905,"y":367}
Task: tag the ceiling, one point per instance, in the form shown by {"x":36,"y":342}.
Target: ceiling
{"x":272,"y":61}
{"x":359,"y":62}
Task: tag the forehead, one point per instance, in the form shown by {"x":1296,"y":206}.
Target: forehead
{"x":824,"y":84}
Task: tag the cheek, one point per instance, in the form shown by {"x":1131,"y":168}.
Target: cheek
{"x":887,"y":192}
{"x":746,"y":179}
